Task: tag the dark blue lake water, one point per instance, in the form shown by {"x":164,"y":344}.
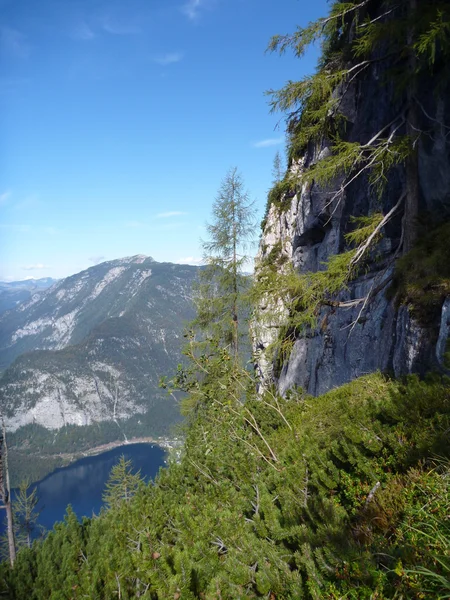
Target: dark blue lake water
{"x":82,"y":483}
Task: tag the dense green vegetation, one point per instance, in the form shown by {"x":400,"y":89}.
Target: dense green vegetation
{"x":422,"y":277}
{"x":345,"y":495}
{"x":342,"y":496}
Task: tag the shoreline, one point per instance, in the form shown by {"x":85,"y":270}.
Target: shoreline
{"x":47,"y":463}
{"x":68,"y":457}
{"x":162,"y":442}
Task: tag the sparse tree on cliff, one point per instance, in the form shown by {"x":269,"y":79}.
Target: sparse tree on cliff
{"x":409,"y":40}
{"x":222,"y":286}
{"x":277,"y":169}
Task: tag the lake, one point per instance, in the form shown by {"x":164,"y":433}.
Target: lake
{"x":82,"y":483}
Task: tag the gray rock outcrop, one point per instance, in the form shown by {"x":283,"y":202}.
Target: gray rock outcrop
{"x":309,"y":228}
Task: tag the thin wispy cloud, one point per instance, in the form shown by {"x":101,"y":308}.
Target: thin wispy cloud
{"x":28,"y":203}
{"x":4,"y":197}
{"x":169,"y":214}
{"x":83,"y":32}
{"x":190,"y":260}
{"x":267,"y":143}
{"x":96,"y":259}
{"x":193,"y":8}
{"x":134,"y":224}
{"x":50,"y":230}
{"x":15,"y":228}
{"x":168,"y":59}
{"x":115,"y":27}
{"x":14,"y":43}
{"x":35,"y":267}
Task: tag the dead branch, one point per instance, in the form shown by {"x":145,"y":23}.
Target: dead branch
{"x":362,"y":249}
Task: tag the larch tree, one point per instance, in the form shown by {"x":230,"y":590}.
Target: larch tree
{"x":221,"y":291}
{"x":408,"y":41}
{"x":411,"y":41}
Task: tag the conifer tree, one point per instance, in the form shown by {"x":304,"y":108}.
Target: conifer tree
{"x":25,"y":514}
{"x":411,"y":41}
{"x":277,"y":169}
{"x":122,"y":484}
{"x":221,"y":290}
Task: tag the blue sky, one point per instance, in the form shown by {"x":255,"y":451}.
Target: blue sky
{"x":120,"y":118}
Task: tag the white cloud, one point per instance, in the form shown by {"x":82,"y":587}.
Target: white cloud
{"x":168,"y":59}
{"x":31,"y":201}
{"x":190,"y":260}
{"x":268,"y":142}
{"x":37,"y":266}
{"x":192,"y":8}
{"x":116,"y":27}
{"x":172,"y":213}
{"x":50,"y":230}
{"x":96,"y":259}
{"x":134,"y":224}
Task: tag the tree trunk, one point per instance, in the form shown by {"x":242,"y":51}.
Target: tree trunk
{"x":412,"y":131}
{"x":235,"y":283}
{"x":6,"y":496}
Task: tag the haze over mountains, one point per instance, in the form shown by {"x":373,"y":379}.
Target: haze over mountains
{"x":93,"y":346}
{"x":13,"y":293}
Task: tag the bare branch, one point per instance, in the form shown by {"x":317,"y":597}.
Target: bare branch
{"x":362,"y":249}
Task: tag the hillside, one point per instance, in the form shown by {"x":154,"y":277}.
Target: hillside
{"x":322,"y":473}
{"x":13,"y":293}
{"x":94,"y":347}
{"x":68,"y":312}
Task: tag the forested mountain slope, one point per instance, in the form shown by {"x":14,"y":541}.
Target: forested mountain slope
{"x":96,"y":345}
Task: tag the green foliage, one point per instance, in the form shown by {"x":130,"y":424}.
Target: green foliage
{"x":277,"y":284}
{"x":410,"y":39}
{"x":26,"y":513}
{"x":422,"y":277}
{"x":340,"y":496}
{"x":122,"y":484}
{"x":220,"y":296}
{"x":273,"y":498}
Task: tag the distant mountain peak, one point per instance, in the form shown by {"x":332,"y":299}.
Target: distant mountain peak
{"x":136,"y":259}
{"x":93,"y":346}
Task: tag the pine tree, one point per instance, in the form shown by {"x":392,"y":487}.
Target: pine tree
{"x":277,"y":169}
{"x":122,"y":484}
{"x":221,"y":290}
{"x":25,"y":514}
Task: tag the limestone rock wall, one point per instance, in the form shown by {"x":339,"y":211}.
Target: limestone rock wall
{"x":350,"y":342}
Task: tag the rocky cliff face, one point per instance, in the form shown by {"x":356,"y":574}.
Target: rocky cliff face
{"x":376,"y":334}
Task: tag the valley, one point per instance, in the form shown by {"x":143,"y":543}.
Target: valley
{"x":83,"y":360}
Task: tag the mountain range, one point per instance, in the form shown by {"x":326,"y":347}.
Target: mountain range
{"x":13,"y":293}
{"x":92,"y":347}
